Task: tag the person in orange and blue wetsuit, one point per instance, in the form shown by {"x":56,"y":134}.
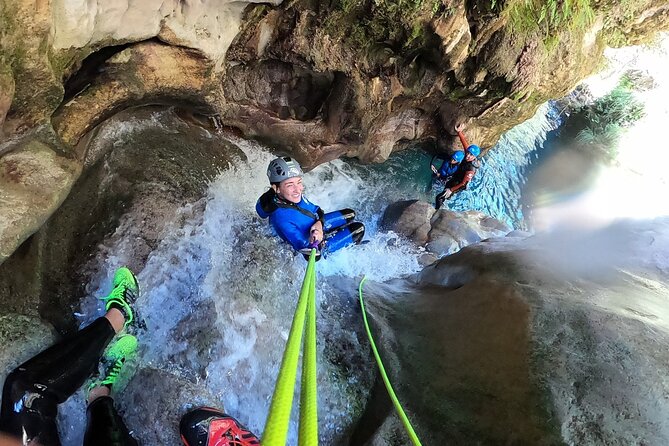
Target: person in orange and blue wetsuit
{"x":465,"y":171}
{"x":300,"y":222}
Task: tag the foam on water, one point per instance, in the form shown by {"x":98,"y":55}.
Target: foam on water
{"x":221,"y":272}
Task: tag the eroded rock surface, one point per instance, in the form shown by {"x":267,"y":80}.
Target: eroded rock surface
{"x":317,"y":80}
{"x":149,"y":72}
{"x":34,"y":181}
{"x":147,"y":162}
{"x":443,"y":232}
{"x":21,"y":338}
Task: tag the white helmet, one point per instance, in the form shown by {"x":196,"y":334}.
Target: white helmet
{"x":283,"y":168}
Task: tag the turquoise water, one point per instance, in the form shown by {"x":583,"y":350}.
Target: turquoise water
{"x":497,"y":189}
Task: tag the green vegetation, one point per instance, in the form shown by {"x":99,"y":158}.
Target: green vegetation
{"x":601,"y":123}
{"x":364,"y":24}
{"x":548,"y":17}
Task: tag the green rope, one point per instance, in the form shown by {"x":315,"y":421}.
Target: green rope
{"x":386,"y":381}
{"x":278,"y":418}
{"x":309,"y":392}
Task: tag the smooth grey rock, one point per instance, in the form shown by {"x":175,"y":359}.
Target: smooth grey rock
{"x":21,"y":337}
{"x":34,"y":181}
{"x":443,"y":232}
{"x":553,"y":339}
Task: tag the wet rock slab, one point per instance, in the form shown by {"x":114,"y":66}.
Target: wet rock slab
{"x":542,"y":340}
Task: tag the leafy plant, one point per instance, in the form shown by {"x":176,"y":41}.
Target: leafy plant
{"x":601,"y":123}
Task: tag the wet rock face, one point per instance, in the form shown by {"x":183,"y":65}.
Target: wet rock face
{"x":34,"y":181}
{"x":144,"y":162}
{"x":443,"y":232}
{"x":483,"y":63}
{"x":167,"y":388}
{"x":534,"y":341}
{"x":149,"y":72}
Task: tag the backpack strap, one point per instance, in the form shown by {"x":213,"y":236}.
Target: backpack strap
{"x":283,"y":204}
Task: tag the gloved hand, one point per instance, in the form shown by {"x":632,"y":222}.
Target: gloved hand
{"x":447,"y":193}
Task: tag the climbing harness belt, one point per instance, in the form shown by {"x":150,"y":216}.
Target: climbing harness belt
{"x":278,"y":418}
{"x":384,"y":376}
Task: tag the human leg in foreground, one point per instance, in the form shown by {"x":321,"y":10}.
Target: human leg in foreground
{"x":34,"y":389}
{"x":105,"y":427}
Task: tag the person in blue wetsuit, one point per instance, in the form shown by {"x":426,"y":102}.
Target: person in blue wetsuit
{"x":463,"y":172}
{"x":448,"y":168}
{"x":446,"y":172}
{"x":300,"y":222}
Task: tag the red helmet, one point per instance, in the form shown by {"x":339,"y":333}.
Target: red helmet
{"x":206,"y":426}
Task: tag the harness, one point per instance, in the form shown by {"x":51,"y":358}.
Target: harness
{"x":280,"y":203}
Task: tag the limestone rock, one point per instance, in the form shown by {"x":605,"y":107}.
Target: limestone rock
{"x":453,"y":30}
{"x":6,"y":92}
{"x":410,"y":219}
{"x":21,"y":337}
{"x":34,"y":181}
{"x":142,"y":73}
{"x":38,"y":89}
{"x":208,"y":25}
{"x":534,"y":341}
{"x":443,"y":232}
{"x":454,"y":230}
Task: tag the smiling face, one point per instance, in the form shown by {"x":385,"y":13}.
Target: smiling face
{"x":291,"y":189}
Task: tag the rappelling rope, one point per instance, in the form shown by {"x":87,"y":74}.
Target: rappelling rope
{"x":384,"y":375}
{"x":309,"y":392}
{"x":278,"y":418}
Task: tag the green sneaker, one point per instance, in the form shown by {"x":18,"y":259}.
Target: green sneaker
{"x":124,"y":294}
{"x":112,"y":362}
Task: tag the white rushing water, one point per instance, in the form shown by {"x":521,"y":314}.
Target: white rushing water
{"x":219,"y":292}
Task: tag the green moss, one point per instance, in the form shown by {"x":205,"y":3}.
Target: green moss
{"x":600,"y":124}
{"x":549,"y":17}
{"x":361,"y":24}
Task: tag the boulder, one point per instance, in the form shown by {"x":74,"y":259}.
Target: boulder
{"x":543,"y":340}
{"x":443,"y":232}
{"x":410,"y":218}
{"x":34,"y":181}
{"x":174,"y":395}
{"x":452,"y":230}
